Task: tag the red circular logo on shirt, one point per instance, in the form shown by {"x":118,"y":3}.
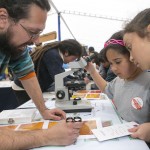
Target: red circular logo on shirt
{"x":137,"y":103}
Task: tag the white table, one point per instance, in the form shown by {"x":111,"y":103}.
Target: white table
{"x":103,"y":111}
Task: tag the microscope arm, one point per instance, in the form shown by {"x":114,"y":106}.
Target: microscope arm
{"x":61,"y":91}
{"x":59,"y":82}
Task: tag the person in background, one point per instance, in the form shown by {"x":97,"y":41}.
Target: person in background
{"x":137,"y":41}
{"x":105,"y":69}
{"x":48,"y":61}
{"x":95,"y":60}
{"x":96,"y":64}
{"x":84,"y":51}
{"x":21,"y":22}
{"x":130,"y":90}
{"x":91,"y":50}
{"x":87,"y":78}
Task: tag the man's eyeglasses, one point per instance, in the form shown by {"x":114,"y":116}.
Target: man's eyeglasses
{"x":31,"y":34}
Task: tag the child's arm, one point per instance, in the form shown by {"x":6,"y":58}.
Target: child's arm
{"x":99,"y":81}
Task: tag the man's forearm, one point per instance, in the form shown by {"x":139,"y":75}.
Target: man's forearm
{"x":17,"y":140}
{"x":34,"y":91}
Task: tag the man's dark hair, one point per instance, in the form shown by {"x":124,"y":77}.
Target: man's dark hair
{"x":18,"y":9}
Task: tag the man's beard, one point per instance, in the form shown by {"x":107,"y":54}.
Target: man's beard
{"x":9,"y":48}
{"x":5,"y":46}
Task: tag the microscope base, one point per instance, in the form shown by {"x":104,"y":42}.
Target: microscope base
{"x":68,"y":107}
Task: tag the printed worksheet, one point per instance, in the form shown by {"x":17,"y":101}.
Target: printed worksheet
{"x":114,"y":131}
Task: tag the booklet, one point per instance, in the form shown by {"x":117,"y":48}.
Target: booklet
{"x":114,"y":131}
{"x":16,"y":116}
{"x":89,"y":94}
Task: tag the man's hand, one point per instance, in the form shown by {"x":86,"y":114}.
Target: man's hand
{"x":63,"y":133}
{"x":142,"y":132}
{"x":54,"y":114}
{"x":32,"y":87}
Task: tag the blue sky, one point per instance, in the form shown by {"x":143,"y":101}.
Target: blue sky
{"x":93,"y":31}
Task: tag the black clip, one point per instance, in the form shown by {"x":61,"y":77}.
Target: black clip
{"x":74,"y":119}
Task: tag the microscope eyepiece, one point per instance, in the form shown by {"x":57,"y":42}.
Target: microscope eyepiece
{"x":89,"y":58}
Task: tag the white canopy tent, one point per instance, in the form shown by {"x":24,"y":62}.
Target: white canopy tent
{"x":92,"y":22}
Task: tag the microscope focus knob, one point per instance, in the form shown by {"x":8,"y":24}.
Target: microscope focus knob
{"x":60,"y":94}
{"x":75,"y":102}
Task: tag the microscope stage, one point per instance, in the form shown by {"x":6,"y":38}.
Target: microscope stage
{"x":68,"y":107}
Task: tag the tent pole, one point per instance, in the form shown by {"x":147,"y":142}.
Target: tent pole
{"x":59,"y":28}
